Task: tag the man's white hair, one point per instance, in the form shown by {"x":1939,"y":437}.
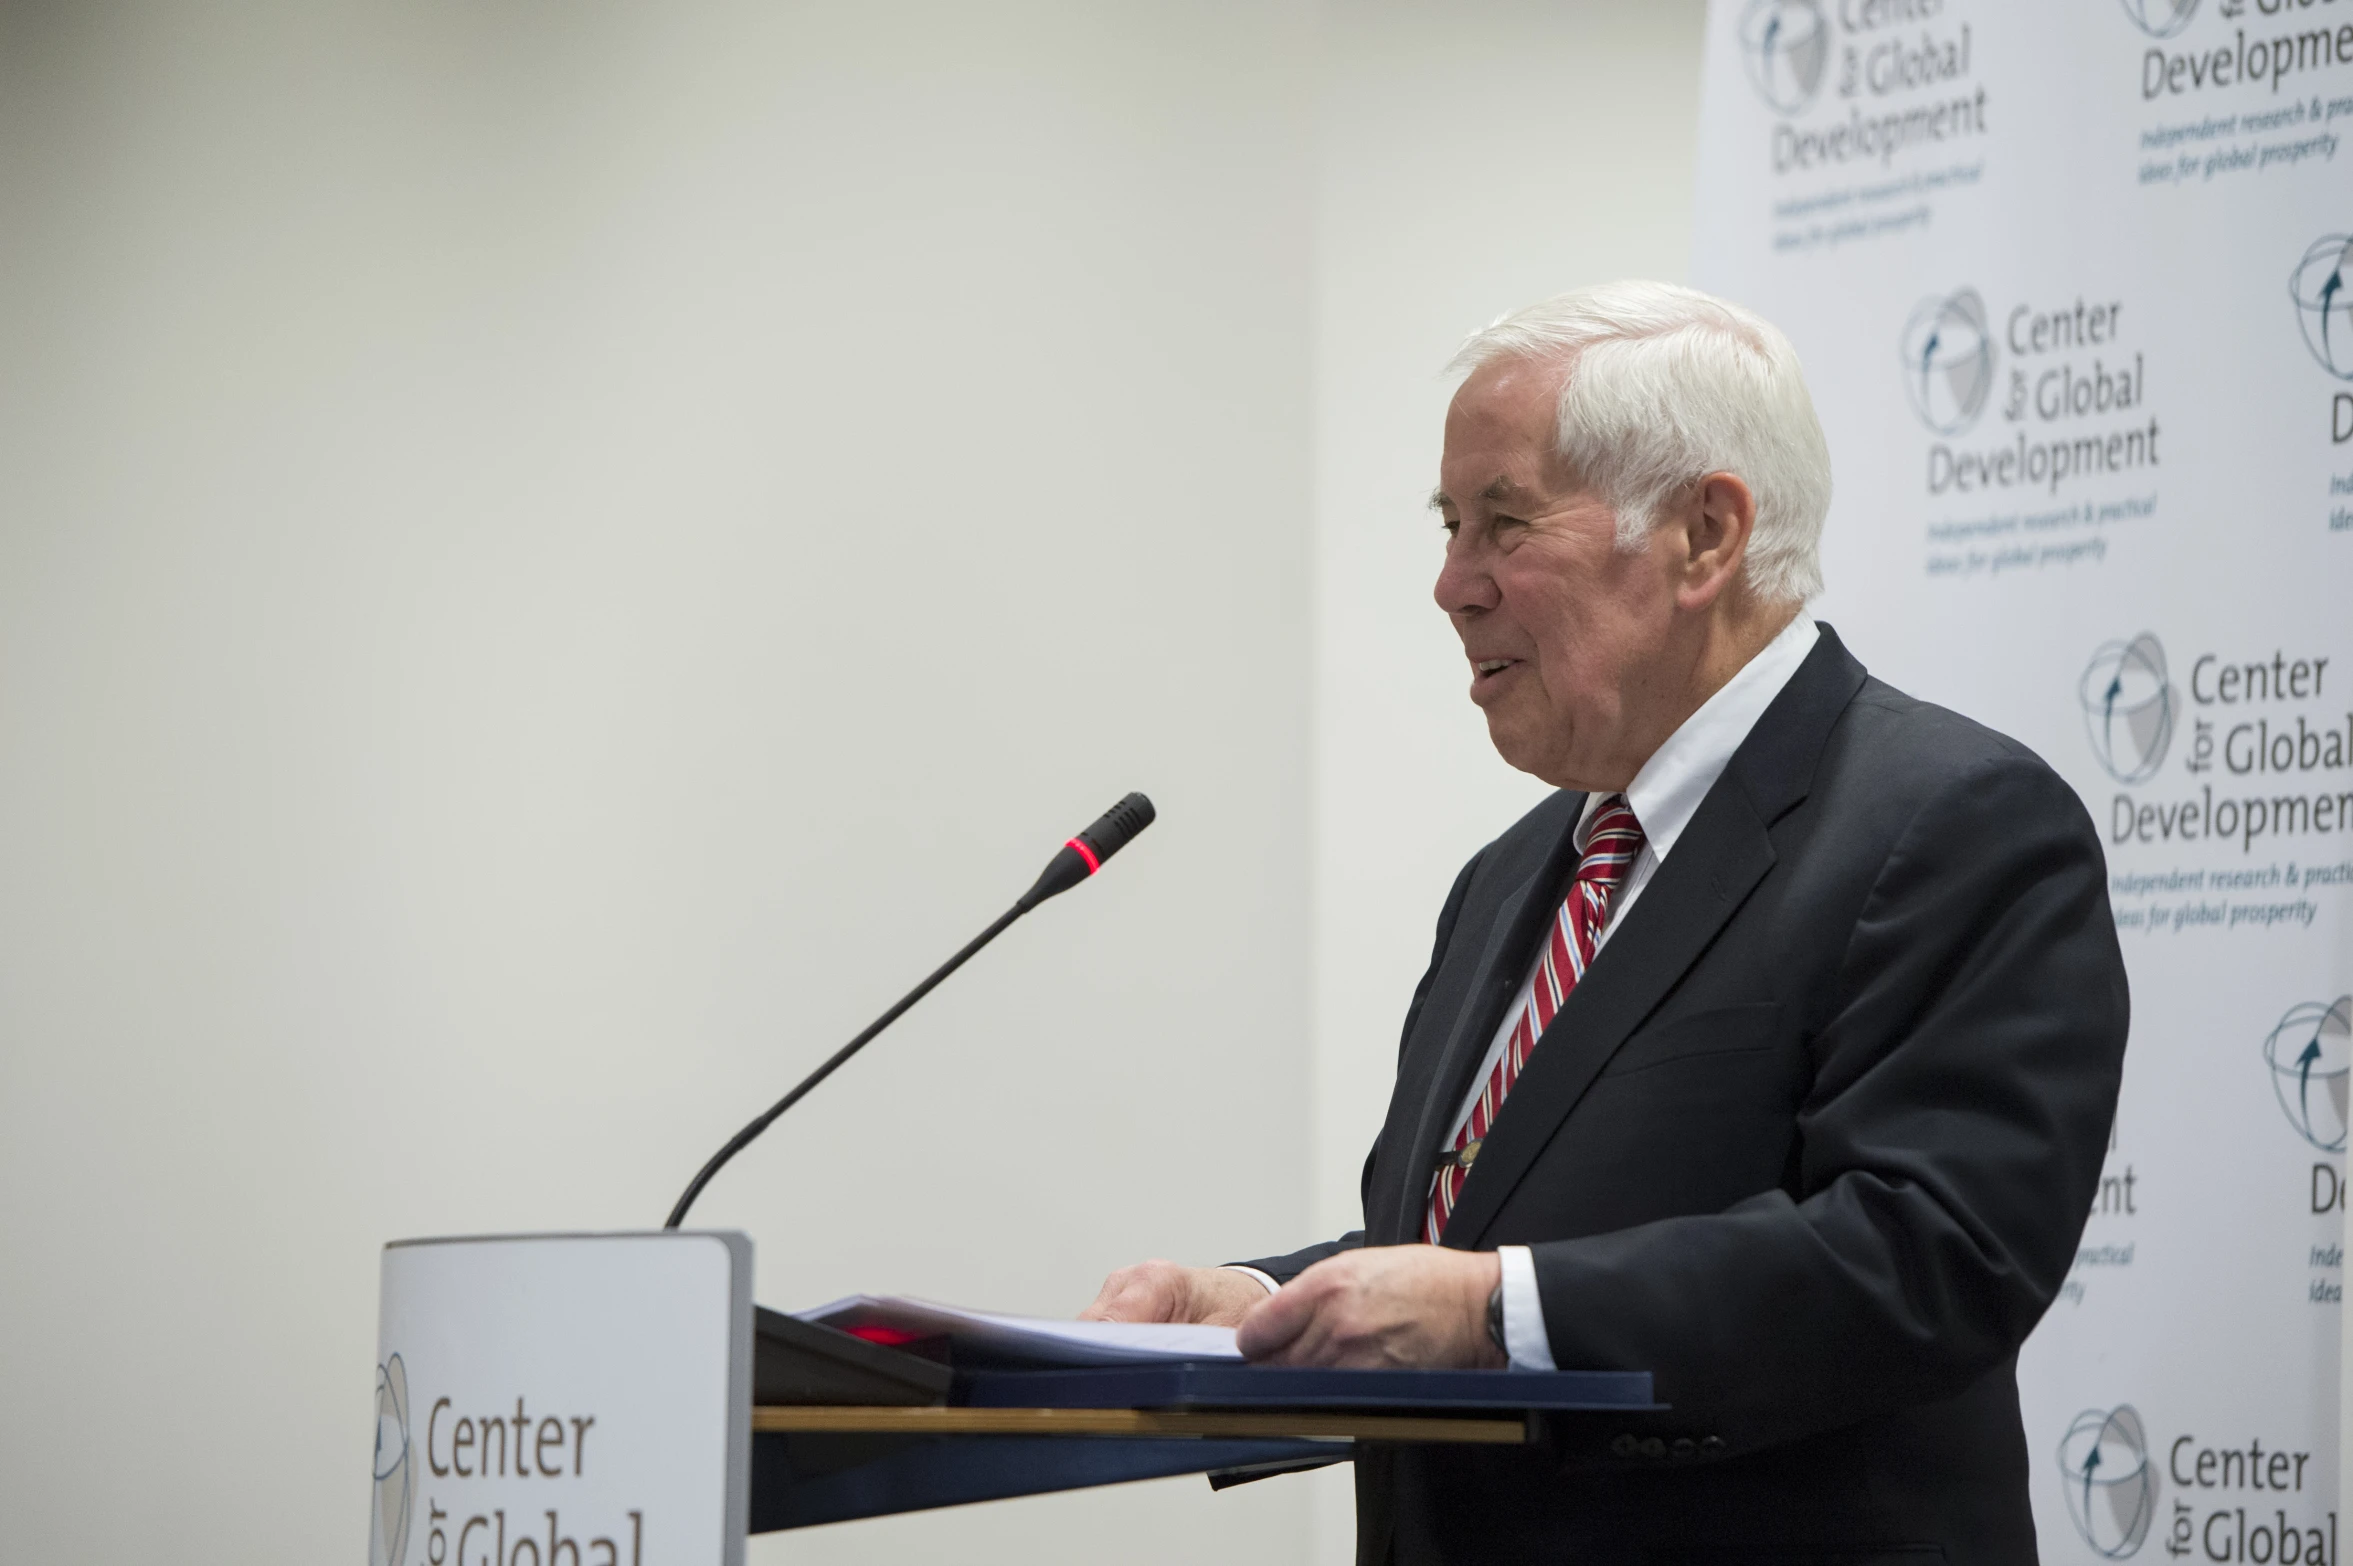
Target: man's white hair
{"x":1666,"y":385}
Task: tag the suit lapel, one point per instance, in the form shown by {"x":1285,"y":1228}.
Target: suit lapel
{"x":1521,"y":918}
{"x":1721,"y":856}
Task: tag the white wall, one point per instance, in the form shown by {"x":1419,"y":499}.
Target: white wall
{"x":551,"y":562}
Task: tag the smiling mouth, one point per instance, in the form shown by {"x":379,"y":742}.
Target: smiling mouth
{"x":1487,"y":673}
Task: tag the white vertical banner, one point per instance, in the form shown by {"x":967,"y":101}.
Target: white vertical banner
{"x":2073,"y":283}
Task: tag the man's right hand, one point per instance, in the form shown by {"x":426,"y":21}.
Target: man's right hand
{"x":1165,"y":1291}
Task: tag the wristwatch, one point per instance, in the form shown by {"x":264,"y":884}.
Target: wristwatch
{"x":1495,"y":1321}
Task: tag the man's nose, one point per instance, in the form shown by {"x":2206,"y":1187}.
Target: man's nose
{"x":1464,"y":585}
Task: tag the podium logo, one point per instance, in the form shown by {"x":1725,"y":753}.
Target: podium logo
{"x":2322,"y":287}
{"x":2111,"y":1489}
{"x":388,"y":1529}
{"x":2310,"y":1055}
{"x":1786,"y":46}
{"x":2161,"y":18}
{"x":2128,"y":705}
{"x":1948,"y":361}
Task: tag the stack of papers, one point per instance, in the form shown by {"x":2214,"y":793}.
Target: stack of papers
{"x":984,"y":1337}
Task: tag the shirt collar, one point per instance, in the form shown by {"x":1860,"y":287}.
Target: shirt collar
{"x":1666,"y":793}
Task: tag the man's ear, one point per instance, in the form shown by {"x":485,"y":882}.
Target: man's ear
{"x":1719,"y":515}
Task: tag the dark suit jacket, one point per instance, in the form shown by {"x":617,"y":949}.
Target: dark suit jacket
{"x":1814,"y":1142}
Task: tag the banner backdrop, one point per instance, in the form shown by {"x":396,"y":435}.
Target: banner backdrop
{"x":2073,"y":282}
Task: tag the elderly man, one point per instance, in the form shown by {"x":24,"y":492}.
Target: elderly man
{"x":1774,"y":1054}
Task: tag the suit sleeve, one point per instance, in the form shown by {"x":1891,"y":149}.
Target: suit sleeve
{"x":1284,"y":1268}
{"x":1966,"y":1071}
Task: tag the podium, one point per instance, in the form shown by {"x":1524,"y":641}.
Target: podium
{"x":609,"y":1399}
{"x":1004,"y":1433}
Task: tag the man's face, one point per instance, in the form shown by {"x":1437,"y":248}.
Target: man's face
{"x":1569,"y":638}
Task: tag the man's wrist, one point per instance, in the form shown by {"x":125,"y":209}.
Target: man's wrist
{"x":1482,"y":1277}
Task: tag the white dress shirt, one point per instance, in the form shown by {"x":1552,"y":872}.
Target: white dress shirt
{"x":1664,"y":796}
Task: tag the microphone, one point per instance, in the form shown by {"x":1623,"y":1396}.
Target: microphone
{"x":1078,"y":859}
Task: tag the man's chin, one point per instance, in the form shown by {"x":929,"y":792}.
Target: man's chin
{"x":1515,"y":744}
{"x":1540,"y":755}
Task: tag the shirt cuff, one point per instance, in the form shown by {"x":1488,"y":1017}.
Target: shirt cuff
{"x":1273,"y":1287}
{"x":1524,"y":1337}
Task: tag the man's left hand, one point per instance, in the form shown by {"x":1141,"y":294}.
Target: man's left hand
{"x":1387,"y":1307}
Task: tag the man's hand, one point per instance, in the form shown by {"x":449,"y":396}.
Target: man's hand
{"x":1381,"y":1308}
{"x":1164,"y":1291}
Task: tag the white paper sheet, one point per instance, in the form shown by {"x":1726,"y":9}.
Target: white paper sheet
{"x":1039,"y":1340}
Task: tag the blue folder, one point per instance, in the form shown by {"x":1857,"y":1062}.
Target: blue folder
{"x":1226,"y":1385}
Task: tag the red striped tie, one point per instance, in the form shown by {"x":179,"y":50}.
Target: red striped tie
{"x":1576,"y":932}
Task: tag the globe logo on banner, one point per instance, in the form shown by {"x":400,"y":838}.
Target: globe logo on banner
{"x":2128,"y":706}
{"x":2323,"y":290}
{"x":2111,"y":1489}
{"x":2310,"y":1054}
{"x":1786,"y":46}
{"x":1948,"y":359}
{"x":2160,"y":18}
{"x":388,"y":1530}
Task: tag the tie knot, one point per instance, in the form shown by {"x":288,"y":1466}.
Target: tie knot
{"x":1615,"y":838}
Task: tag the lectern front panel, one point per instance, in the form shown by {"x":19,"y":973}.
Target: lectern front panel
{"x":563,"y":1400}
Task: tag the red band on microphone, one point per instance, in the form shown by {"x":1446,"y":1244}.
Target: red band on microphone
{"x":1086,"y":853}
